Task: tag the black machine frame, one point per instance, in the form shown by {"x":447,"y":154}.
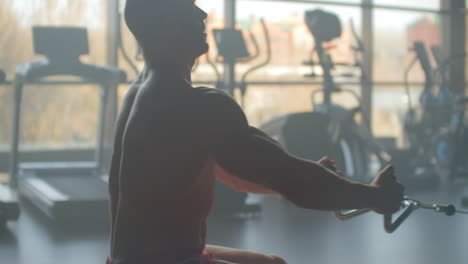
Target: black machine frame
{"x":9,"y":207}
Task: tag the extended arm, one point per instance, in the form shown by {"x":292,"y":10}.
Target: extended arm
{"x":254,"y":157}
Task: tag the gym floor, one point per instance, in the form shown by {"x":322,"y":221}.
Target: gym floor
{"x":299,"y":236}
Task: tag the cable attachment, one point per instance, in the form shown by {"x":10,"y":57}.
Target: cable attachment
{"x":448,"y":210}
{"x":409,"y":205}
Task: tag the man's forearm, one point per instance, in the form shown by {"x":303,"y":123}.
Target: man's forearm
{"x":312,"y":186}
{"x":259,"y":160}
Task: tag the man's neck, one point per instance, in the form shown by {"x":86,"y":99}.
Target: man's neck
{"x":176,"y":70}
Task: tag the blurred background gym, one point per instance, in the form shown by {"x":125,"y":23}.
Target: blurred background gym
{"x":366,"y":82}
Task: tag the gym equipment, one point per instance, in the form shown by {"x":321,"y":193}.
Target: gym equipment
{"x":352,"y":141}
{"x":230,"y":44}
{"x":409,"y":205}
{"x":9,"y":207}
{"x":331,"y":129}
{"x":62,"y":190}
{"x":459,"y":159}
{"x":450,"y":150}
{"x":232,"y":48}
{"x":436,"y":128}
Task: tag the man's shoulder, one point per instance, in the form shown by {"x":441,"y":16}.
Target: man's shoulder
{"x":212,"y":96}
{"x":219,"y":105}
{"x":212,"y":92}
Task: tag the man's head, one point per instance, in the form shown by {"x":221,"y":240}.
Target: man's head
{"x":167,"y":29}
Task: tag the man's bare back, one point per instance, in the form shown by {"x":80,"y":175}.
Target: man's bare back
{"x":121,"y":123}
{"x":161,"y":170}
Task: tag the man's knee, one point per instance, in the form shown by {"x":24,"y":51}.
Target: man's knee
{"x":278,"y":259}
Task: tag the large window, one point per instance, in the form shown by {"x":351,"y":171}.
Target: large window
{"x":291,"y":45}
{"x":291,"y":41}
{"x":394,"y":38}
{"x":395,"y":34}
{"x":19,"y":16}
{"x":59,"y":116}
{"x":55,"y":116}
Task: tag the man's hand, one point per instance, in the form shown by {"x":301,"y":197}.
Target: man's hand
{"x":329,"y":164}
{"x":390,"y":191}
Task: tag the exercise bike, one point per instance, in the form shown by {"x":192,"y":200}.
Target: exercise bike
{"x":330,"y":129}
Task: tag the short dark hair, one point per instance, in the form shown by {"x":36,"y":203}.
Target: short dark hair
{"x":142,"y":17}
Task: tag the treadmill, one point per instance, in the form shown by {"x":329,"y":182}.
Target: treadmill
{"x":9,"y":209}
{"x":63,"y":190}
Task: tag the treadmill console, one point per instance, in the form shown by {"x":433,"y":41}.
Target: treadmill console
{"x":230,"y":43}
{"x":60,"y":43}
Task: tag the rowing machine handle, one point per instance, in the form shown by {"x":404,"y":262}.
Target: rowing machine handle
{"x":390,"y":225}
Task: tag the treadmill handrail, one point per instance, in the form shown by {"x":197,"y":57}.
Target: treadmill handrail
{"x":37,"y":70}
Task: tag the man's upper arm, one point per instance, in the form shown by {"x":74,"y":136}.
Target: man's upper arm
{"x":223,"y":116}
{"x":241,"y":150}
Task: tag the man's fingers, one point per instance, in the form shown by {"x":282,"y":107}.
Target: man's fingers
{"x":388,"y":171}
{"x":385,"y":175}
{"x":325,"y":161}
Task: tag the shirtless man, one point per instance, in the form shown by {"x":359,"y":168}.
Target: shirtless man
{"x":173,"y":140}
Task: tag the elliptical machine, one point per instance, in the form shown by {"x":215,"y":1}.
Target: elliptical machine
{"x":232,"y":49}
{"x":330,"y":129}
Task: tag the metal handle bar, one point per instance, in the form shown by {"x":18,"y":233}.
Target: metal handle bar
{"x":267,"y":60}
{"x":256,"y":52}
{"x":409,"y":206}
{"x":336,"y":90}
